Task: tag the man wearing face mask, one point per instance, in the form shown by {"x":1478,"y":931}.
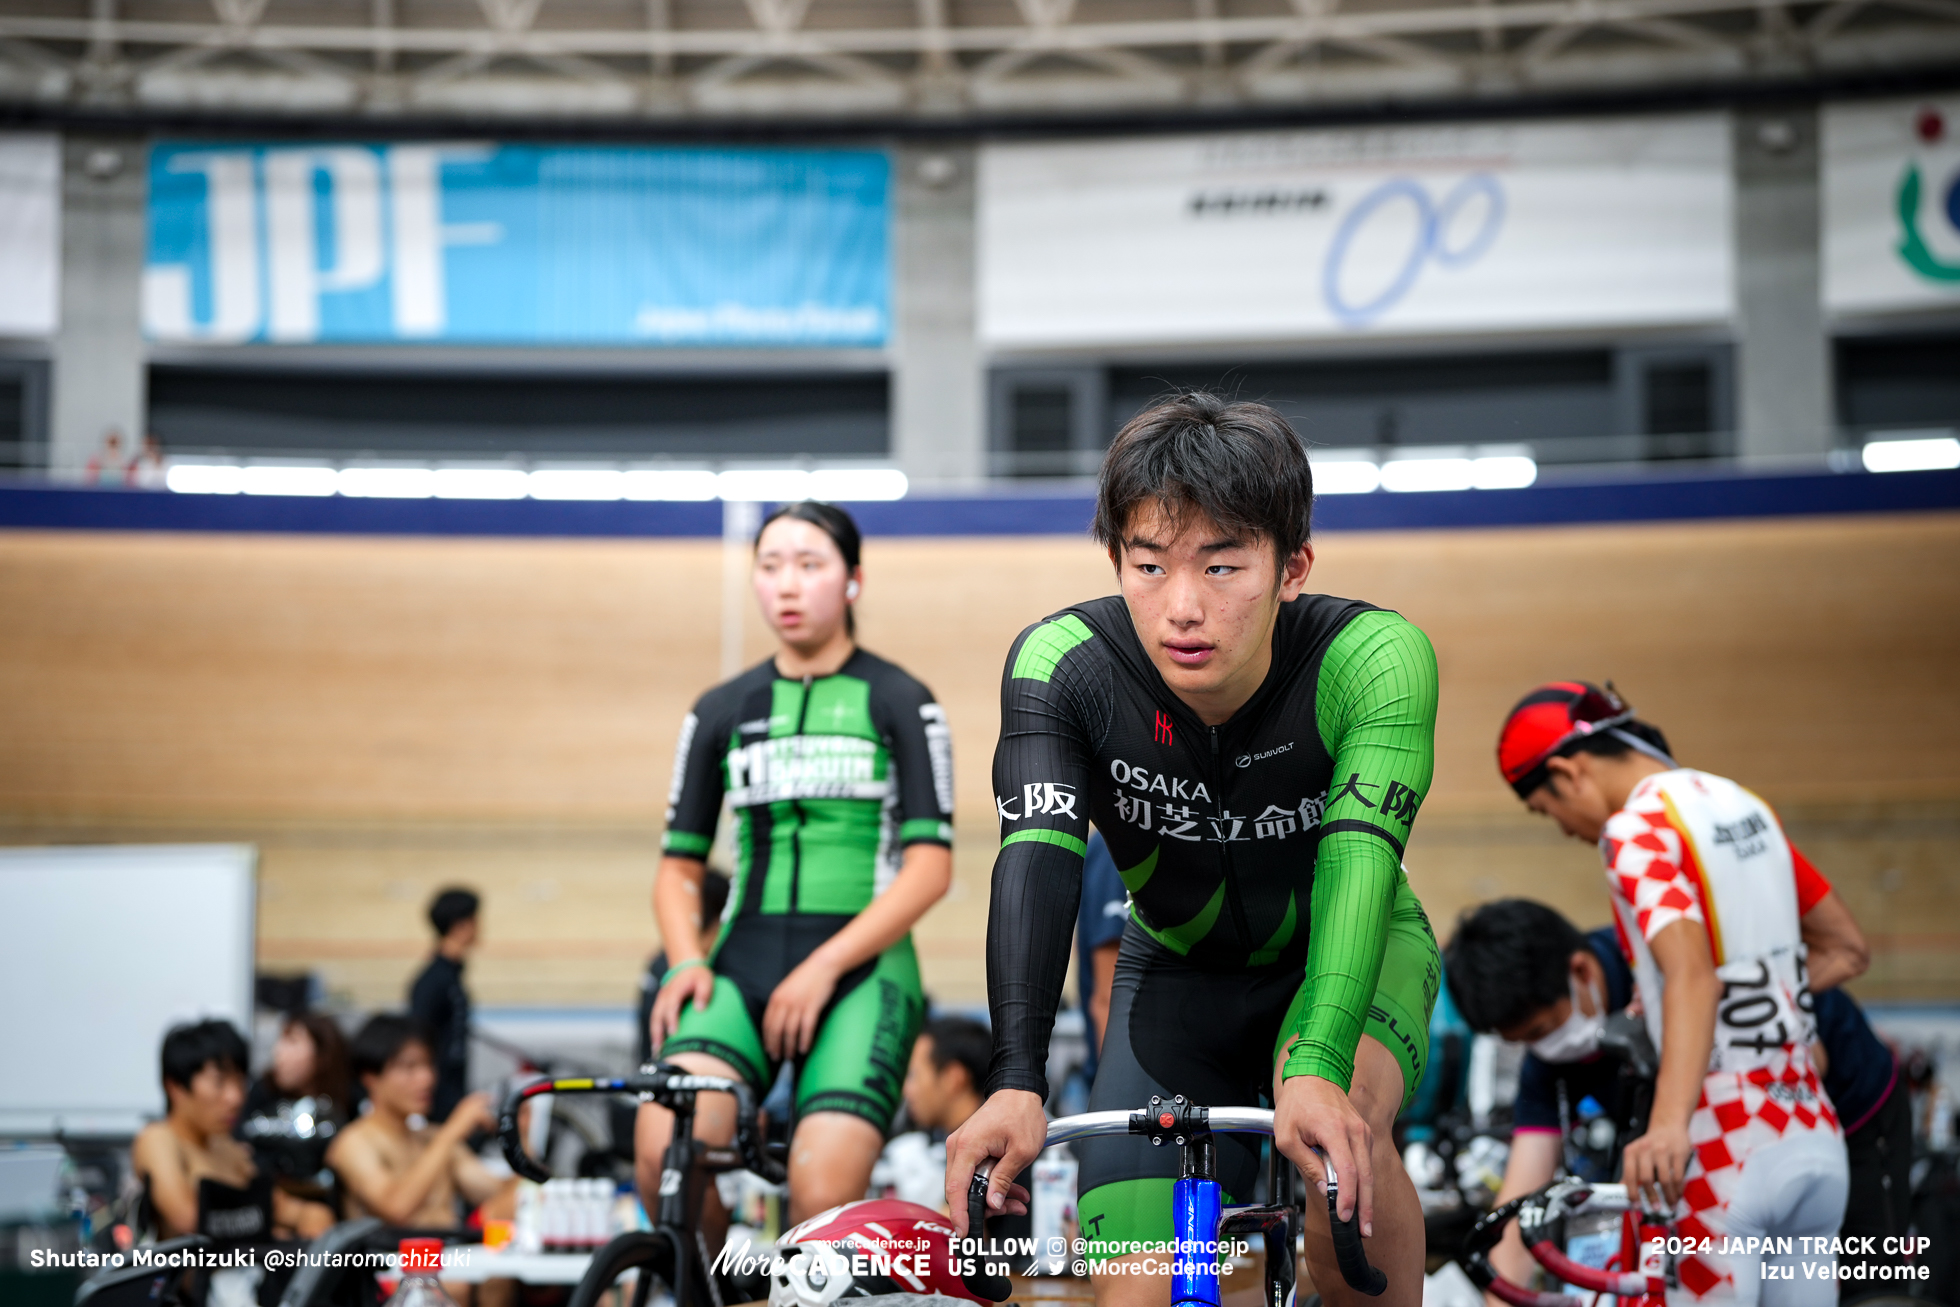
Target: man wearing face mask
{"x":1520,"y":970}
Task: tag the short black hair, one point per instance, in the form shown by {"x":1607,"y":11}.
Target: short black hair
{"x":1508,"y":960}
{"x":834,"y":522}
{"x":382,"y":1039}
{"x":451,"y":907}
{"x":189,"y":1048}
{"x":714,"y":895}
{"x":962,"y":1040}
{"x":1240,"y":464}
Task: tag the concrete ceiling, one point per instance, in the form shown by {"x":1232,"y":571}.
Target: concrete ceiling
{"x":941,"y":60}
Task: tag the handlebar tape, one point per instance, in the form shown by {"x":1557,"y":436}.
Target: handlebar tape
{"x":1349,"y":1255}
{"x":994,"y":1288}
{"x":1621,"y":1284}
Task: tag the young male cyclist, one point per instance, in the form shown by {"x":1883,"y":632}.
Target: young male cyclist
{"x":1519,"y":969}
{"x":1742,"y":1140}
{"x":1255,"y":756}
{"x":838,"y":766}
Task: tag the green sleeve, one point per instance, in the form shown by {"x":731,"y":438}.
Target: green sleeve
{"x":1377,"y":708}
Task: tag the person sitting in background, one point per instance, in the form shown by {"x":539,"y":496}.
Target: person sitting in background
{"x":1519,"y":969}
{"x":714,"y":898}
{"x":189,"y":1163}
{"x":393,"y":1163}
{"x":439,"y":1001}
{"x":292,"y":1111}
{"x":941,"y":1090}
{"x":943,"y":1079}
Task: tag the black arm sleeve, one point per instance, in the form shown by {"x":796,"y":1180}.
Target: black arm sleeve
{"x":694,"y":799}
{"x":922,"y":763}
{"x":1041,"y":793}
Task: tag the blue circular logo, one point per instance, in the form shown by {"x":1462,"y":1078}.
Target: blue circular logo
{"x":1434,"y":223}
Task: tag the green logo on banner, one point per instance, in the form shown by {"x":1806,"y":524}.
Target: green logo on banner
{"x":1912,"y":246}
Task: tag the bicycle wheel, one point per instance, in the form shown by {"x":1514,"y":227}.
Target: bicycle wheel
{"x":650,"y":1252}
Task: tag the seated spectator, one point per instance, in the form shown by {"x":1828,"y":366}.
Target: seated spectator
{"x":438,"y":1000}
{"x":942,"y":1082}
{"x":189,"y":1163}
{"x":394,"y":1164}
{"x":293,"y":1110}
{"x":714,"y":897}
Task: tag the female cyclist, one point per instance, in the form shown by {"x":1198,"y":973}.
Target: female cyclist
{"x":838,"y":768}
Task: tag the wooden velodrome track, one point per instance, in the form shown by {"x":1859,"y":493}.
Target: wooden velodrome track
{"x":386,"y":715}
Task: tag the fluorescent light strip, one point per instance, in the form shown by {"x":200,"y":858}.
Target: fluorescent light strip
{"x":481,"y":483}
{"x":1346,"y":476}
{"x":311,"y":480}
{"x":1923,"y":454}
{"x":644,"y":483}
{"x":205,"y":478}
{"x":578,"y":483}
{"x":412,"y":481}
{"x":388,"y":482}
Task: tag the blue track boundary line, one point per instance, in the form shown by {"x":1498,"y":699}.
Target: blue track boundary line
{"x":1734,"y":495}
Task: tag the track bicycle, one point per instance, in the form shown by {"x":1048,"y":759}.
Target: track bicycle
{"x":1199,"y":1216}
{"x":673,"y":1252}
{"x":1645,"y":1271}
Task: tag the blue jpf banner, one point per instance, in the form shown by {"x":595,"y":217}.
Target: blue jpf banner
{"x":517,"y":244}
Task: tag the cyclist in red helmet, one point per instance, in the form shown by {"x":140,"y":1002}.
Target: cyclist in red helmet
{"x":1713,"y":906}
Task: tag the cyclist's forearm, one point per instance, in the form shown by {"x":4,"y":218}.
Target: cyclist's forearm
{"x":1688,"y":1003}
{"x":1354,"y":888}
{"x":1030,"y":927}
{"x":677,"y":907}
{"x":1836,"y":947}
{"x":922,"y":880}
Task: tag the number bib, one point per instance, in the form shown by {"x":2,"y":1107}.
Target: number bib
{"x":1765,"y":1007}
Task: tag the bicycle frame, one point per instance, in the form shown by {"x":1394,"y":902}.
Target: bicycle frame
{"x":1197,"y":1199}
{"x":1643,"y":1238}
{"x":686,"y":1166}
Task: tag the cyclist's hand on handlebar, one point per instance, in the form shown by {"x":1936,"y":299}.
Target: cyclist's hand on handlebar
{"x":693,"y":983}
{"x":1658,"y":1160}
{"x":1313,"y":1112}
{"x":1009,"y":1126}
{"x":789,"y":1023}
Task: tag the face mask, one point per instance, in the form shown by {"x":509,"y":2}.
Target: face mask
{"x":1578,"y":1037}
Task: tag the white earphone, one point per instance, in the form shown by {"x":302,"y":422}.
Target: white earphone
{"x":850,"y":589}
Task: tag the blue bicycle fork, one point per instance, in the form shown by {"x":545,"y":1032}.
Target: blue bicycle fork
{"x":1196,"y":1201}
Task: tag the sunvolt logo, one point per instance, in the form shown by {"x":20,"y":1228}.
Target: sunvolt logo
{"x":274,"y":244}
{"x":1928,"y":202}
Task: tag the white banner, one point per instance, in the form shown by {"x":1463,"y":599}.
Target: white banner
{"x":1891,"y":178}
{"x":30,"y":234}
{"x":1273,"y":235}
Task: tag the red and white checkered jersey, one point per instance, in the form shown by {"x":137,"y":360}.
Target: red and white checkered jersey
{"x":1691,"y":846}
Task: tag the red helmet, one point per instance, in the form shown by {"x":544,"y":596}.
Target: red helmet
{"x":1549,"y":718}
{"x":867,"y":1249}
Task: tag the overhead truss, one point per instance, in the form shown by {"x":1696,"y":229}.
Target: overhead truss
{"x":665,"y":59}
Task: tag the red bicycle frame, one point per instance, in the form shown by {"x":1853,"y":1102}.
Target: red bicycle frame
{"x":1643,"y":1246}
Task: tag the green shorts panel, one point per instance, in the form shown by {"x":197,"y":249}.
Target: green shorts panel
{"x":856,"y":1063}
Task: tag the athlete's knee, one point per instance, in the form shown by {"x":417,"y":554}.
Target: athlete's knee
{"x":1137,"y":1280}
{"x":1378,"y":1086}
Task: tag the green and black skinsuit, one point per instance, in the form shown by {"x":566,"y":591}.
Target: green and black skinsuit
{"x":829,"y":778}
{"x":1263,"y":859}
